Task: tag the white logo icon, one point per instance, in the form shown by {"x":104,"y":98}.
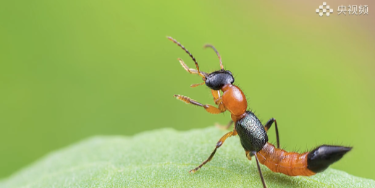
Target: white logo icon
{"x":324,"y":9}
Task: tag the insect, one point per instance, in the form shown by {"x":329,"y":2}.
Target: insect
{"x":253,"y":135}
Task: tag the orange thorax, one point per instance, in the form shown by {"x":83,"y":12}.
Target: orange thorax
{"x":234,"y":101}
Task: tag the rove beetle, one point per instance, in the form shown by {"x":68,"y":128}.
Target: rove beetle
{"x":253,"y":135}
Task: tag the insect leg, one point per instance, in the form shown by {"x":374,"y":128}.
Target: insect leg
{"x":259,"y":170}
{"x":218,"y":101}
{"x":268,"y":125}
{"x":219,"y":143}
{"x":224,"y":127}
{"x":248,"y":155}
{"x":216,"y":95}
{"x":209,"y":108}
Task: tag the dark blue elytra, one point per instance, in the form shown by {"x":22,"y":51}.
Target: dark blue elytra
{"x":251,"y":132}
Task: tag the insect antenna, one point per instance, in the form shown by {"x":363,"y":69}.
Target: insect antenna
{"x":192,"y":57}
{"x":217,"y":53}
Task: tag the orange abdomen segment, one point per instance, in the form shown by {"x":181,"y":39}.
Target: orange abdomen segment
{"x":289,"y":163}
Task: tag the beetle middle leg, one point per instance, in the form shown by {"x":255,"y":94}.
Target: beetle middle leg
{"x":268,"y":126}
{"x":209,"y":108}
{"x":219,"y":143}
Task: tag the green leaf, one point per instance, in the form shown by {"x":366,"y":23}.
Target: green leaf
{"x":162,"y":158}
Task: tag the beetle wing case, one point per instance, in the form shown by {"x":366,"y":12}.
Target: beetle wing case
{"x":251,"y":132}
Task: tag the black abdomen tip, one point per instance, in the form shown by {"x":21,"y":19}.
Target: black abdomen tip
{"x":323,"y":156}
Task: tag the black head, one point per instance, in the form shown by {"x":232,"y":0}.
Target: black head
{"x":216,"y":80}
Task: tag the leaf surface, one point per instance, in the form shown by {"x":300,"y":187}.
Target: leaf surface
{"x":162,"y":158}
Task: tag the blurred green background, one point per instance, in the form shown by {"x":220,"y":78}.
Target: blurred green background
{"x":77,"y":68}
